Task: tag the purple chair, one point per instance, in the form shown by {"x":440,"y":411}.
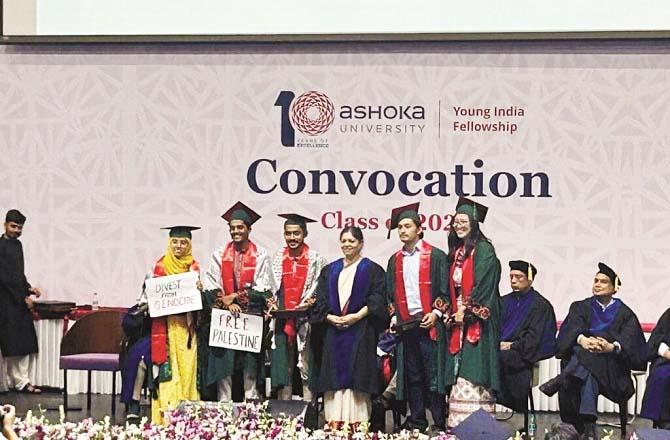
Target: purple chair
{"x":93,"y":344}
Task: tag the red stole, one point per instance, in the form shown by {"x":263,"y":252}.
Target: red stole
{"x":424,"y":285}
{"x":245,"y":273}
{"x":467,"y":283}
{"x":159,"y":348}
{"x":293,"y":284}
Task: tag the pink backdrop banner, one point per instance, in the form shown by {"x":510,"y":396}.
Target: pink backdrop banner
{"x":570,"y":151}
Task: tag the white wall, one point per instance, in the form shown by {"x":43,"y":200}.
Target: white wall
{"x":212,"y":17}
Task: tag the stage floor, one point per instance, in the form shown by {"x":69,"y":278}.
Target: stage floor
{"x":101,"y":406}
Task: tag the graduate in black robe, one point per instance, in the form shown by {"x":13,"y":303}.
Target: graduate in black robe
{"x":17,"y":332}
{"x":656,"y":402}
{"x":527,"y":335}
{"x":345,"y":330}
{"x":599,"y":343}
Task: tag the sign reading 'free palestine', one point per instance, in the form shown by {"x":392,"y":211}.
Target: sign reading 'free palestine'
{"x":242,"y":332}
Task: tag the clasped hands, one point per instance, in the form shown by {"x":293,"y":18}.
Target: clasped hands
{"x":596,"y":344}
{"x":272,"y":305}
{"x":343,"y":322}
{"x":227,"y":302}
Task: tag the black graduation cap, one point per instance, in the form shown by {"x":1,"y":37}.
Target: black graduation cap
{"x":480,"y":425}
{"x":296,"y":219}
{"x":240,"y":211}
{"x":181,"y":231}
{"x":651,"y":434}
{"x":476,"y":211}
{"x":609,"y":272}
{"x":403,"y":212}
{"x":15,"y":216}
{"x":525,"y":267}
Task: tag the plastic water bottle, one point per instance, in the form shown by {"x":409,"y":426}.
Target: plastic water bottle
{"x":94,"y":303}
{"x":532,"y":426}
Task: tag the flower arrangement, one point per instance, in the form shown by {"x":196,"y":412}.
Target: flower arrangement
{"x":211,"y":421}
{"x":199,"y":422}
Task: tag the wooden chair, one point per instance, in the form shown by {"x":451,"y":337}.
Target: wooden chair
{"x":92,"y":344}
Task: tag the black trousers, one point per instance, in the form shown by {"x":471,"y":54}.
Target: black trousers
{"x":420,"y":368}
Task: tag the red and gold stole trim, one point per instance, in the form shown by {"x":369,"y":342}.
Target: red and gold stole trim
{"x":473,"y":332}
{"x":293,"y":284}
{"x":424,"y":285}
{"x":159,"y":348}
{"x":245,"y":276}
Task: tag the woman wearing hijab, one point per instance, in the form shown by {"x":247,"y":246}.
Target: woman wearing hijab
{"x":173,"y":338}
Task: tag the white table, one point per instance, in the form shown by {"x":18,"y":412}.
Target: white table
{"x":44,"y":369}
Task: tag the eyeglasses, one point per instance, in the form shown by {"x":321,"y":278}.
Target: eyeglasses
{"x":461,"y":223}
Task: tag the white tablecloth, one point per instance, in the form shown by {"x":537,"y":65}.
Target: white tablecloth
{"x":44,"y":369}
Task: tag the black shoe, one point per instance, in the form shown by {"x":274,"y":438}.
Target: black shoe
{"x":590,"y":432}
{"x":411,"y":426}
{"x":552,"y":386}
{"x":663,"y":425}
{"x":311,"y":416}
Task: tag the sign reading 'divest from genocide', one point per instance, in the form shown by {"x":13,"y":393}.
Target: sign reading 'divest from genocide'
{"x":173,"y":294}
{"x":243,"y":332}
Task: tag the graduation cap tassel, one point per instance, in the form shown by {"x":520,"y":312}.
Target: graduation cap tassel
{"x":530,"y":272}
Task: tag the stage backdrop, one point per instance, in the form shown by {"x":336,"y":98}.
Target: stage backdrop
{"x":101,"y":147}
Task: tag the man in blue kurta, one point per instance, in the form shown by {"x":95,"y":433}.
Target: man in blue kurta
{"x":417,"y":286}
{"x":599,"y":343}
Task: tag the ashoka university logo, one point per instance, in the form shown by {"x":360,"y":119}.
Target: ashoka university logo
{"x":312,"y":113}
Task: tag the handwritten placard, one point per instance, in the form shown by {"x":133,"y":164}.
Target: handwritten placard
{"x":244,"y":332}
{"x":173,"y":294}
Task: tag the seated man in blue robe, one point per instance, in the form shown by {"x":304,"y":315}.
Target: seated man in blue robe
{"x":656,"y":402}
{"x":599,"y":343}
{"x":527,"y":335}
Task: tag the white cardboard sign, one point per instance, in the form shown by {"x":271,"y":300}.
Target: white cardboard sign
{"x":173,"y":294}
{"x":243,"y":333}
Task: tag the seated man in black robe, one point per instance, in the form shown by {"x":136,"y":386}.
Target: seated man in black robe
{"x":599,"y":343}
{"x":527,"y":335}
{"x":656,"y":402}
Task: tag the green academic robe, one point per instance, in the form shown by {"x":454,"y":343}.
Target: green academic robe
{"x":439,"y":289}
{"x":479,"y":361}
